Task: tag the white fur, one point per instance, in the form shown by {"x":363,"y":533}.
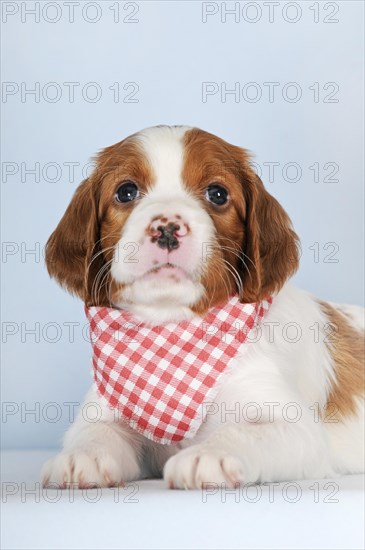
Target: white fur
{"x":164,"y":149}
{"x":277,"y":376}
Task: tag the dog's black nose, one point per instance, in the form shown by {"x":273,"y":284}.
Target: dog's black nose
{"x":167,"y":238}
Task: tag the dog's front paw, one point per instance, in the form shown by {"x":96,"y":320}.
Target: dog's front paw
{"x":84,"y":469}
{"x":199,"y":466}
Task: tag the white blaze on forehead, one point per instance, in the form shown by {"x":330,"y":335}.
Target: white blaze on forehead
{"x":164,"y":149}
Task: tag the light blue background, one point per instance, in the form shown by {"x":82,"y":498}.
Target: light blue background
{"x":168,"y":53}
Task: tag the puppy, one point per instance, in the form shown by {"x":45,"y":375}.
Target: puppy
{"x":135,"y":238}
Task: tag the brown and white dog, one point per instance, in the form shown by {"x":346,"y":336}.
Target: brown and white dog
{"x":202,"y":190}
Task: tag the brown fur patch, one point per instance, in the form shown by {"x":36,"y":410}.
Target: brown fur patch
{"x":346,"y":346}
{"x":78,"y":250}
{"x":254,"y":233}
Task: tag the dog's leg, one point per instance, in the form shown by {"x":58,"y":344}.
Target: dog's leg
{"x":98,"y":450}
{"x":252,"y":453}
{"x":284,"y":442}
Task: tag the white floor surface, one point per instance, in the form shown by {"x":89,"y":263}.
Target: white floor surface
{"x":145,"y":515}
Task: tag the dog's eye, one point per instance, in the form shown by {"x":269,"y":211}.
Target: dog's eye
{"x":216,"y":194}
{"x":127,"y":192}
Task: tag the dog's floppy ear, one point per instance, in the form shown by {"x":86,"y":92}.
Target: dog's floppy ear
{"x":270,"y":248}
{"x":72,"y":250}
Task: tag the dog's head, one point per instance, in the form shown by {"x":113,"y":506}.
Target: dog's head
{"x":172,"y":221}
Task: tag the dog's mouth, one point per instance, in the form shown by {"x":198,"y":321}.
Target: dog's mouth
{"x":167,"y":270}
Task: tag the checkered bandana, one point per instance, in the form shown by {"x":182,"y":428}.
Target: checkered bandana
{"x":159,"y":377}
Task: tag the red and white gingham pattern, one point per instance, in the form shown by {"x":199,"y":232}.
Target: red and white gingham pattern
{"x":158,"y":377}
